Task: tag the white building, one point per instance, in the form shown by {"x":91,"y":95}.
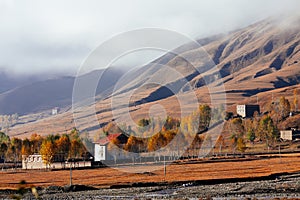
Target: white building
{"x":102,"y":152}
{"x":247,"y":110}
{"x":55,"y":111}
{"x":292,"y":134}
{"x":35,"y":161}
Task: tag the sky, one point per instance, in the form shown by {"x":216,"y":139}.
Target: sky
{"x":54,"y":36}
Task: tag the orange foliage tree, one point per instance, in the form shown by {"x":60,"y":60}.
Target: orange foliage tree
{"x":63,"y":145}
{"x":47,"y":151}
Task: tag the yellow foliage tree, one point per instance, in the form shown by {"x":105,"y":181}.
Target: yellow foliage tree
{"x":284,"y":107}
{"x":241,"y":145}
{"x":47,"y":151}
{"x":156,"y":142}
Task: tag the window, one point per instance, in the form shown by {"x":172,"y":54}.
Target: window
{"x":101,"y":152}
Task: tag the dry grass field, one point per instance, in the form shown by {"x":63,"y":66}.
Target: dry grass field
{"x":105,"y":177}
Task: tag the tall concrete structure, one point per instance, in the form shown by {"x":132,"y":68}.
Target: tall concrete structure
{"x":247,"y":110}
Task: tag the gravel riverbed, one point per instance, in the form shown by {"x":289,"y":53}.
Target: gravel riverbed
{"x":283,"y":187}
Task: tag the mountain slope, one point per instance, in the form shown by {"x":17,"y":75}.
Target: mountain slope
{"x":261,"y":57}
{"x":251,"y":61}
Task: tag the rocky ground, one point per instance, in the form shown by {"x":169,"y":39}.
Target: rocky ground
{"x":282,"y":187}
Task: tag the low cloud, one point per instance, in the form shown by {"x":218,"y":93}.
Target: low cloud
{"x":41,"y":36}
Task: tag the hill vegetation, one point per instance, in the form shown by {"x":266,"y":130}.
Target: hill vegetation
{"x":70,"y":146}
{"x":239,"y":135}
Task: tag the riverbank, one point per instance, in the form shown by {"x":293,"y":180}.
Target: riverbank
{"x":279,"y":187}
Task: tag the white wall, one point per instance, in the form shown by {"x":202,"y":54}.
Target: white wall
{"x":100,"y":152}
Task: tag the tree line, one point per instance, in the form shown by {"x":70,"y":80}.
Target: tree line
{"x":261,"y":128}
{"x":68,"y":145}
{"x":154,"y":134}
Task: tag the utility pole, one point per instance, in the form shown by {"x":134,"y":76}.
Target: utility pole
{"x":70,"y":173}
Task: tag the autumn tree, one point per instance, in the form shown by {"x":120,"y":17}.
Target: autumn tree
{"x":241,"y":144}
{"x":251,"y":135}
{"x":156,"y":142}
{"x":171,"y":124}
{"x":249,"y":129}
{"x":170,"y":135}
{"x":237,"y":127}
{"x":4,"y":138}
{"x":268,"y":131}
{"x":131,"y":144}
{"x":284,"y":107}
{"x":237,"y":133}
{"x":47,"y":152}
{"x":135,"y":144}
{"x":3,"y":150}
{"x":204,"y":117}
{"x":36,"y":142}
{"x":63,"y":145}
{"x":193,"y":122}
{"x":26,"y":147}
{"x":4,"y":141}
{"x":77,"y":148}
{"x":14,"y":149}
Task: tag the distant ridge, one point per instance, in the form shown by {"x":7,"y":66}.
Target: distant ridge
{"x":44,"y":95}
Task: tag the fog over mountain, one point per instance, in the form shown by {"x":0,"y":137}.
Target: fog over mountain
{"x":55,"y":37}
{"x":43,"y":44}
{"x":256,"y":63}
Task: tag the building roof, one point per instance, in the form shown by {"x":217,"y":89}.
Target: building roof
{"x":109,"y":138}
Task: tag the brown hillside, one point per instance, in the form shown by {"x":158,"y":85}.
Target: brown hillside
{"x":261,"y":60}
